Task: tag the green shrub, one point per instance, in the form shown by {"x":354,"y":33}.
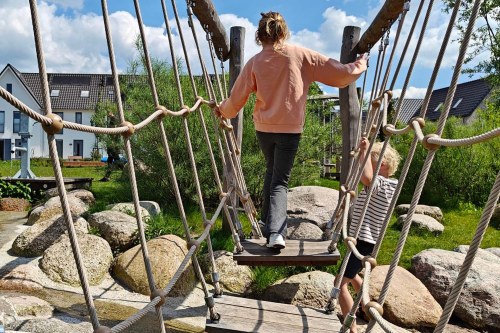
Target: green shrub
{"x":15,"y":190}
{"x":458,"y":174}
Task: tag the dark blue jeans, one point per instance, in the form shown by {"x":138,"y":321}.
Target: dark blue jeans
{"x":279,"y":151}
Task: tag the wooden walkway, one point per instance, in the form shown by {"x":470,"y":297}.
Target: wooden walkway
{"x":249,"y":315}
{"x":296,"y":253}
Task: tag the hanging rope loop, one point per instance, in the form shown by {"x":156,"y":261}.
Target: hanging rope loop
{"x":56,"y":126}
{"x":387,"y":129}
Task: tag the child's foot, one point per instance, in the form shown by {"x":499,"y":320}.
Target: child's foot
{"x":276,"y":241}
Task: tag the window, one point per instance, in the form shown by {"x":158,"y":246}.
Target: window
{"x":9,"y":87}
{"x":438,"y":107}
{"x":2,"y":121}
{"x":457,"y":103}
{"x":60,"y":114}
{"x":16,"y":123}
{"x":78,"y":117}
{"x":18,"y":143}
{"x":54,"y":93}
{"x":85,"y":93}
{"x":59,"y":147}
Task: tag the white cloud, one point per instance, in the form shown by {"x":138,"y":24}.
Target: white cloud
{"x":73,"y":4}
{"x":411,"y":92}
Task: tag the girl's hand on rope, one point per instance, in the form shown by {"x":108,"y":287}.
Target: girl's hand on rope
{"x":363,"y":58}
{"x":364,"y":143}
{"x":217,"y":112}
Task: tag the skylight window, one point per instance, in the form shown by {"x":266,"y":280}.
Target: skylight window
{"x":457,"y":103}
{"x":85,"y":93}
{"x":54,"y":93}
{"x":438,"y":107}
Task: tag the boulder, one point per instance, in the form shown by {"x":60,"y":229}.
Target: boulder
{"x":61,"y":324}
{"x":302,"y":229}
{"x":479,"y":301}
{"x":432,"y":211}
{"x":408,"y":303}
{"x":494,"y":250}
{"x":422,"y":222}
{"x":312,"y":203}
{"x":58,"y":263}
{"x":129,"y":209}
{"x":14,"y":204}
{"x":23,"y":278}
{"x":306,"y":289}
{"x":53,"y":208}
{"x":166,"y":254}
{"x":36,"y":239}
{"x":25,"y":306}
{"x":119,"y":229}
{"x":152,"y":207}
{"x":233,"y":277}
{"x":481,"y":253}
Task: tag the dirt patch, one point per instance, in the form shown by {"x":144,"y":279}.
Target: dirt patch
{"x":14,"y":204}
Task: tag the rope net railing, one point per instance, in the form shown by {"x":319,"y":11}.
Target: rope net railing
{"x":375,"y":120}
{"x":225,"y":143}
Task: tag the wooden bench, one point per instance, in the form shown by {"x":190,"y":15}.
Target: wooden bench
{"x":75,"y":158}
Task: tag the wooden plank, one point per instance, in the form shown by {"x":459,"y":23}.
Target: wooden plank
{"x":296,"y":253}
{"x":249,"y":315}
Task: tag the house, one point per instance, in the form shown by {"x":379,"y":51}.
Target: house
{"x":74,"y":98}
{"x":469,"y":97}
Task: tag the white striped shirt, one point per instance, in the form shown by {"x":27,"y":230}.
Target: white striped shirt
{"x":383,"y":192}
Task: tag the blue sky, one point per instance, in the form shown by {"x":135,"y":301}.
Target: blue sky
{"x":74,"y":42}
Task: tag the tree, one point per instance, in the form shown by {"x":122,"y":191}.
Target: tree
{"x":484,"y":38}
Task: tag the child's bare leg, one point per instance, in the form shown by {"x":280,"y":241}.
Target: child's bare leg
{"x":345,"y":300}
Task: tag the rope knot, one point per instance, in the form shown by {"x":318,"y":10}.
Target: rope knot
{"x":373,"y":305}
{"x":158,"y":293}
{"x":130,"y":129}
{"x":55,"y":127}
{"x":419,"y":120}
{"x":388,"y":129}
{"x":430,"y":146}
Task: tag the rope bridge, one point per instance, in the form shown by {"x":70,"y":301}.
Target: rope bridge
{"x":226,"y":144}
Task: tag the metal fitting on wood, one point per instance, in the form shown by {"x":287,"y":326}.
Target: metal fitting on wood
{"x":158,"y":293}
{"x":130,"y":130}
{"x":375,"y":306}
{"x":427,"y":145}
{"x":56,"y":126}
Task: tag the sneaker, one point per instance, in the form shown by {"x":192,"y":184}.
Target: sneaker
{"x":276,"y":241}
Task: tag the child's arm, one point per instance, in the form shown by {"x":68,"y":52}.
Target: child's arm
{"x":367,"y":175}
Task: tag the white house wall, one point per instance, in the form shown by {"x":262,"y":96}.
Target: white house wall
{"x":38,"y":141}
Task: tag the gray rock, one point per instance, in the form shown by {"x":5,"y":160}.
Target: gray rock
{"x":432,"y":211}
{"x":302,"y":229}
{"x":53,"y":208}
{"x":152,"y":207}
{"x":494,"y":250}
{"x":166,"y":254}
{"x":129,"y":209}
{"x":61,"y":324}
{"x":58,"y":263}
{"x":233,"y":277}
{"x":312,"y":203}
{"x":306,"y":289}
{"x":483,"y":254}
{"x":479,"y":302}
{"x":422,"y":222}
{"x":23,"y":306}
{"x":33,"y":241}
{"x":119,"y":229}
{"x":408,"y":303}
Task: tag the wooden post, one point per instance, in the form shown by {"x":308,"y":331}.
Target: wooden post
{"x":236,"y":62}
{"x":349,"y":103}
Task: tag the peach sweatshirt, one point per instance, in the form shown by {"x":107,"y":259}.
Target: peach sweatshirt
{"x":281,"y":81}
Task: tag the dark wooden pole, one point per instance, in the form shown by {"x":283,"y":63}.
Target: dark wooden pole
{"x":349,"y":103}
{"x":387,"y":14}
{"x":236,"y":62}
{"x":207,"y":15}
